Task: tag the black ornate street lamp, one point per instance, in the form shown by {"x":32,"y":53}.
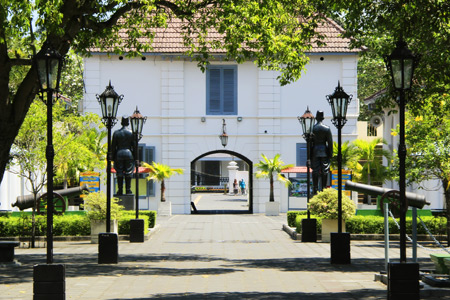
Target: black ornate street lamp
{"x":224,"y":136}
{"x":403,"y":277}
{"x":48,"y":63}
{"x":109,"y":101}
{"x":108,"y":243}
{"x":340,"y":242}
{"x":137,"y":226}
{"x":401,"y":64}
{"x":309,"y":232}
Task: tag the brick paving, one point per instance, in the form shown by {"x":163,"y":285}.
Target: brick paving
{"x":212,"y":257}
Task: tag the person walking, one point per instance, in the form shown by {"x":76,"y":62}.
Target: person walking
{"x":242,"y":186}
{"x":235,"y":187}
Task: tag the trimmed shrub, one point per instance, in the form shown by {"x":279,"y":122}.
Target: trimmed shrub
{"x":375,"y":225}
{"x":325,"y":205}
{"x":300,"y":217}
{"x":95,"y":206}
{"x":66,"y":225}
{"x":71,"y":225}
{"x":292,"y":215}
{"x":124,"y":223}
{"x":150,"y":214}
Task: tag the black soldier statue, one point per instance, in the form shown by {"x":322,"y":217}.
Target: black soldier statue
{"x":122,"y":150}
{"x":322,"y":151}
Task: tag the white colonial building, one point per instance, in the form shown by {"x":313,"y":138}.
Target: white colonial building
{"x":186,"y":107}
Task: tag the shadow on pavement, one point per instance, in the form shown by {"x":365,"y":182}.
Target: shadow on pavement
{"x":356,"y":294}
{"x":85,"y":265}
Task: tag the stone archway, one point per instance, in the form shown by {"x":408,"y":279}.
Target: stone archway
{"x":250,"y":171}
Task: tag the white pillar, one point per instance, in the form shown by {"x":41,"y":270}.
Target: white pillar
{"x":232,"y":175}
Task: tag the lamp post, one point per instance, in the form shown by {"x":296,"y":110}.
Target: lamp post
{"x":48,"y":63}
{"x":340,"y":242}
{"x":401,"y":63}
{"x":403,"y":277}
{"x":224,"y":136}
{"x":309,"y":233}
{"x":109,"y":102}
{"x":108,"y":243}
{"x":137,"y":226}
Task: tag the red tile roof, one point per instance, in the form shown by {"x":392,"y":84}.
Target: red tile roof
{"x":296,"y":170}
{"x":169,"y":40}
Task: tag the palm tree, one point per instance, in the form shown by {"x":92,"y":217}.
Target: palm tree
{"x":349,"y":155}
{"x":370,"y":156}
{"x":268,"y":167}
{"x":159,"y":172}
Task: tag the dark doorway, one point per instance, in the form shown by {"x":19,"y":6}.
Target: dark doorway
{"x":210,"y":186}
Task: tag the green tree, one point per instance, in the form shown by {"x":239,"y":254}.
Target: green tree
{"x":428,"y":145}
{"x":78,"y":144}
{"x":268,"y":167}
{"x":275,"y":34}
{"x":160,"y":173}
{"x":28,"y":156}
{"x":423,"y":24}
{"x":72,"y":132}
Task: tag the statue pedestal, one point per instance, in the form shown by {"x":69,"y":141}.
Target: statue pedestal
{"x":127,"y":201}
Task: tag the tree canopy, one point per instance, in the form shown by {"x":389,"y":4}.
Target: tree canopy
{"x":275,"y":34}
{"x":423,"y":24}
{"x":78,"y":146}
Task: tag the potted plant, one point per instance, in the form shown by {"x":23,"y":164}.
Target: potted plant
{"x":95,"y":207}
{"x":268,"y":167}
{"x":160,"y":172}
{"x":325,"y":206}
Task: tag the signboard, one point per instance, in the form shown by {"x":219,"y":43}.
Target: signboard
{"x":346,"y":175}
{"x":299,"y":187}
{"x":92,"y":179}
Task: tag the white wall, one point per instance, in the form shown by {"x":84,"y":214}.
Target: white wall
{"x":172,"y":94}
{"x":11,"y":187}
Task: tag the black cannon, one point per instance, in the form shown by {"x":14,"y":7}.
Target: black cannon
{"x":24,"y":202}
{"x":412,"y":199}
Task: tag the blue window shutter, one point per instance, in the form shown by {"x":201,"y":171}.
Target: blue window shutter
{"x":302,"y":154}
{"x":149,"y":155}
{"x":229,"y":91}
{"x":221,"y":90}
{"x":214,"y":90}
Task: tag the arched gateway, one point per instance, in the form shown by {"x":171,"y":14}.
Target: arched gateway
{"x":250,"y":172}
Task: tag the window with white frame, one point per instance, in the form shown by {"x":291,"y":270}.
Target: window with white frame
{"x":221,"y":90}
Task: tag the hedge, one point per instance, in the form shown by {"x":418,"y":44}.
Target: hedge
{"x":375,"y":224}
{"x":66,"y":225}
{"x":124,"y":223}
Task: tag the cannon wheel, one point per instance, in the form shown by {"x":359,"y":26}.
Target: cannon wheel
{"x":394,"y":200}
{"x":56,"y":203}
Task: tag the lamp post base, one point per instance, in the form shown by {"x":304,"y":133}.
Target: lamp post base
{"x":137,"y":231}
{"x":49,"y":282}
{"x":403,"y":281}
{"x":108,"y":248}
{"x":340,"y":248}
{"x":309,"y":230}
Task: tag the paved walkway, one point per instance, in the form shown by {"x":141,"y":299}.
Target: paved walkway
{"x":210,"y":257}
{"x":219,"y":203}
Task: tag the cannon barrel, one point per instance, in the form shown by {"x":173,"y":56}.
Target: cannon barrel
{"x":24,"y":202}
{"x":413,"y":199}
